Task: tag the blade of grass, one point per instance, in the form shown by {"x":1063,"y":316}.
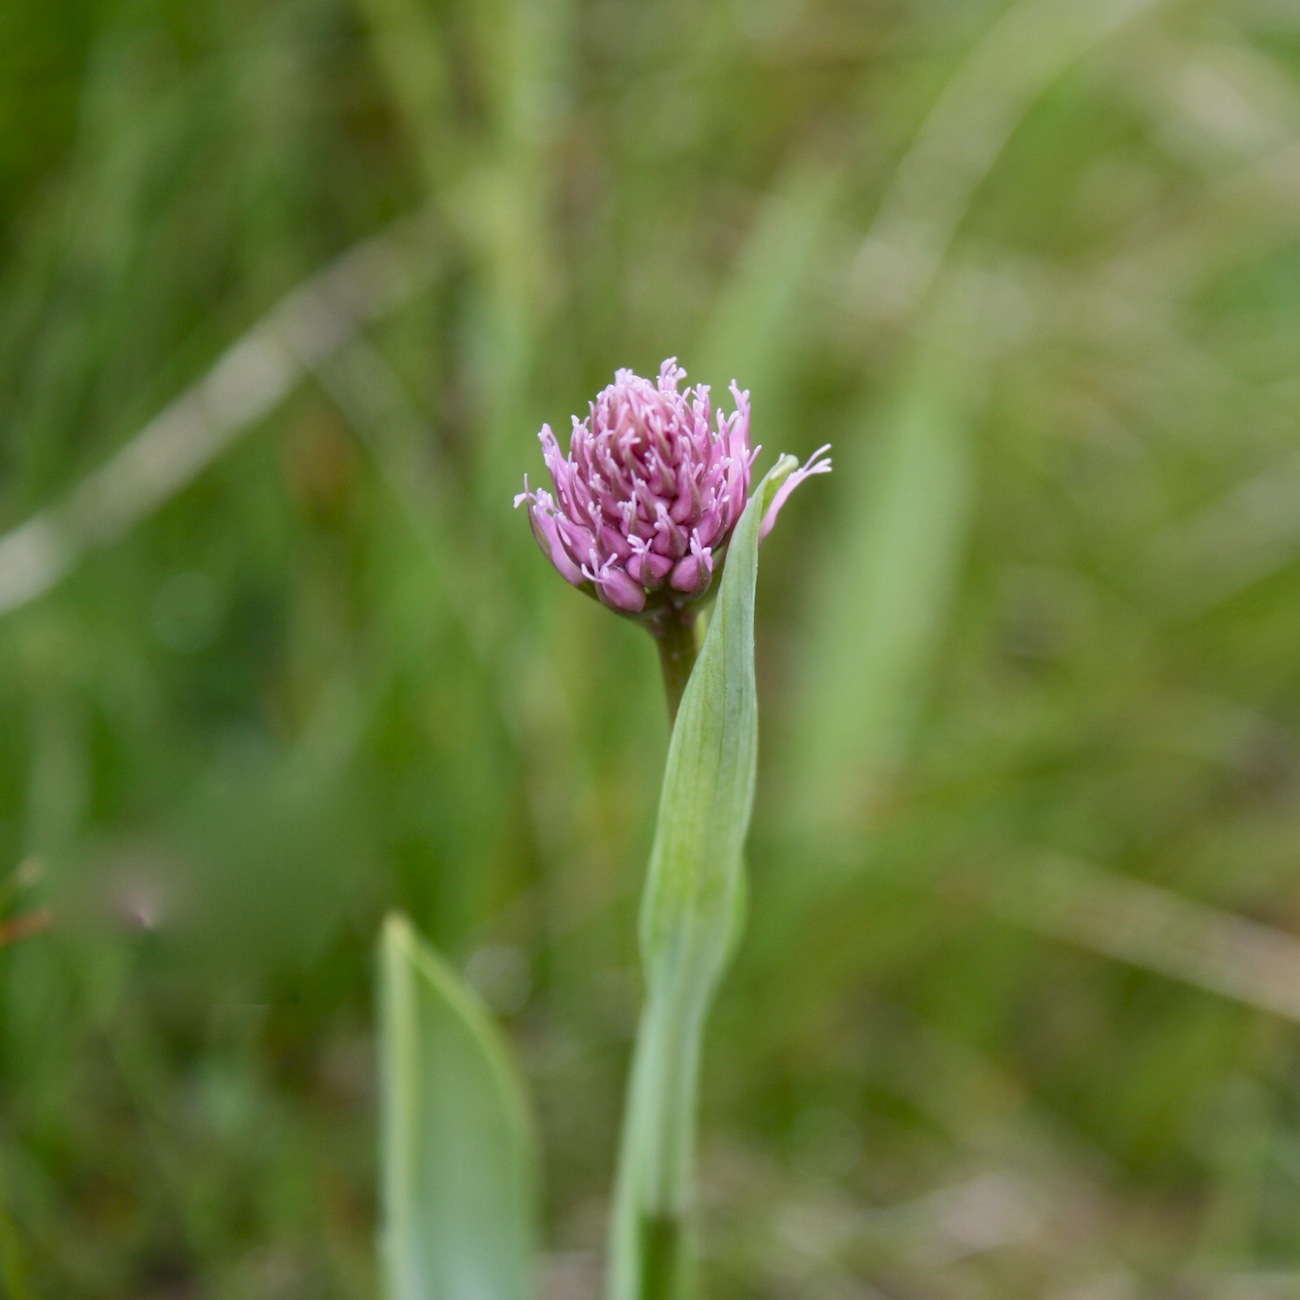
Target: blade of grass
{"x":883,"y":597}
{"x":759,"y":316}
{"x":459,"y":1172}
{"x":243,"y":386}
{"x":1030,"y":45}
{"x":1154,"y":928}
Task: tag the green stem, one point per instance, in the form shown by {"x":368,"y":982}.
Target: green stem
{"x":651,"y":1256}
{"x":674,"y":634}
{"x":664,"y":1257}
{"x":650,"y":1249}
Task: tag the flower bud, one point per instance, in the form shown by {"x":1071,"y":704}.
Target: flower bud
{"x":646,"y":500}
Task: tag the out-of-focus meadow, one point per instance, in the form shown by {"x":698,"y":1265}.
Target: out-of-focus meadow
{"x":288,"y":290}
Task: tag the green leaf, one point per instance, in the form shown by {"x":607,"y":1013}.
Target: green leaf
{"x":459,"y":1161}
{"x":689,"y":914}
{"x":708,"y":791}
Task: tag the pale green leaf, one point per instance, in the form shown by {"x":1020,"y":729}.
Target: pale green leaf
{"x":688,"y":921}
{"x":459,"y":1162}
{"x":708,"y":790}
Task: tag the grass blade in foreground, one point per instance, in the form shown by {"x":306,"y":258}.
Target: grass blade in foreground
{"x":688,"y":918}
{"x":459,"y":1175}
{"x":883,"y":599}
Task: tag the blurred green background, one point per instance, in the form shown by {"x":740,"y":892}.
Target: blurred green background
{"x":289,"y":287}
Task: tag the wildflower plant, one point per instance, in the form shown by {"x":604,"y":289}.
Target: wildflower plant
{"x":649,"y":511}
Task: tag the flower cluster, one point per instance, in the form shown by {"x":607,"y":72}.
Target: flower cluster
{"x":651,"y":489}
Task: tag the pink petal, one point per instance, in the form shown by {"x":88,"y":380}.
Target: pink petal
{"x":812,"y":466}
{"x":618,"y":591}
{"x":693,"y":574}
{"x":547,"y":531}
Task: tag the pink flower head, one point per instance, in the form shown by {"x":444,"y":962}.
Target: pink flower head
{"x":652,"y":487}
